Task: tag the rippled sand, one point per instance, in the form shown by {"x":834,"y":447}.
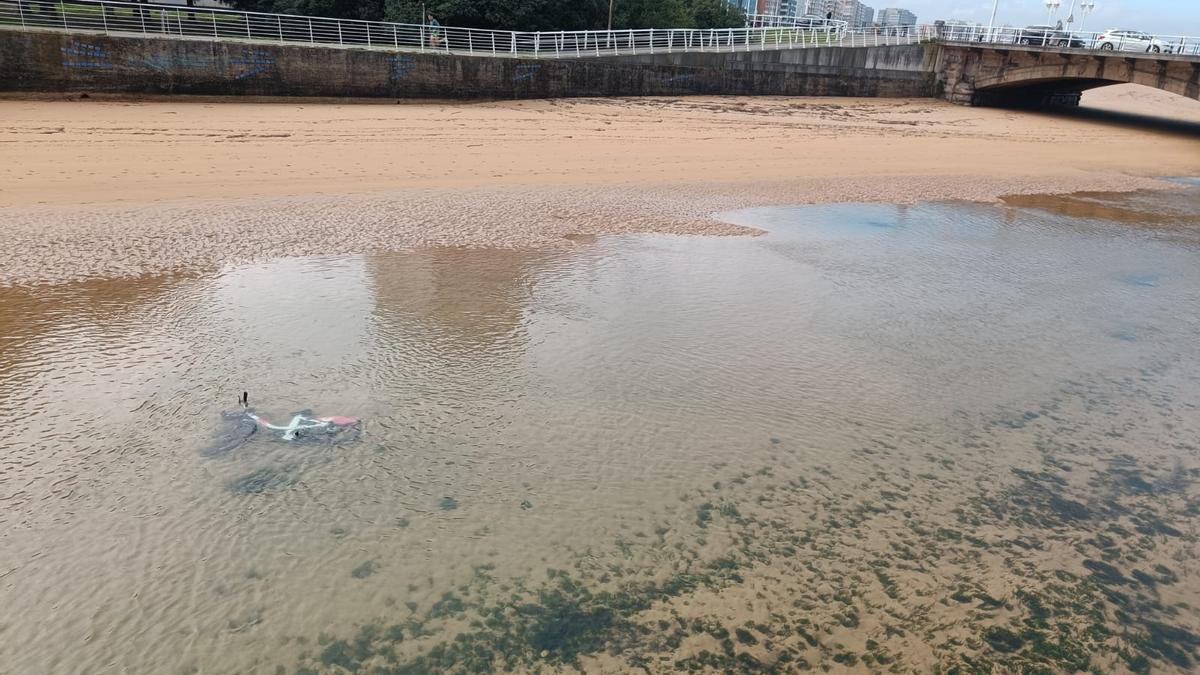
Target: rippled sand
{"x":119,"y":188}
{"x":968,"y":442}
{"x":938,"y":435}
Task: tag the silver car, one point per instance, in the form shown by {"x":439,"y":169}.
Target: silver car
{"x":1130,"y":41}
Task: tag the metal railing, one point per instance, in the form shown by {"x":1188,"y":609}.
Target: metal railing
{"x":206,"y":23}
{"x":763,"y":32}
{"x":1105,"y":41}
{"x":781,"y":21}
{"x":882,"y":37}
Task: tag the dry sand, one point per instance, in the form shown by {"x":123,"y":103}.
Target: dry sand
{"x":103,"y":188}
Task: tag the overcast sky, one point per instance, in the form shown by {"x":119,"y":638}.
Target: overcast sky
{"x":1164,"y":17}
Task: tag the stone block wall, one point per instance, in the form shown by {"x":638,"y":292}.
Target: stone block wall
{"x":58,"y":62}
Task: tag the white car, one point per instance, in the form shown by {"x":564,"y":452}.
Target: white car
{"x":1130,"y":41}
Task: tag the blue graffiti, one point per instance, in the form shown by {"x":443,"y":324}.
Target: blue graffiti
{"x":401,"y":66}
{"x":164,"y":63}
{"x":678,"y":79}
{"x":159,"y":62}
{"x":253,"y":62}
{"x":526,"y":71}
{"x":85,"y":55}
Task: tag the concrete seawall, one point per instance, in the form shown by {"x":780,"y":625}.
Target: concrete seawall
{"x":59,"y":62}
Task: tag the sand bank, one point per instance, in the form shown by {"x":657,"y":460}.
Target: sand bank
{"x":116,"y":188}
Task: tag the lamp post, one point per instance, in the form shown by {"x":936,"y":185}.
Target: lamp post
{"x":1085,"y":8}
{"x":1051,"y":8}
{"x":992,"y":21}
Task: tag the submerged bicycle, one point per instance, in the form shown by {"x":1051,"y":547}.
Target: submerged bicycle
{"x":303,"y":427}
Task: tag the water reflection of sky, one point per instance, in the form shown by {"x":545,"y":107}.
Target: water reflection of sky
{"x":585,"y":381}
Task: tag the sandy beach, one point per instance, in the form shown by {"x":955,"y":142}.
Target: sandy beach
{"x":917,"y":435}
{"x":178,"y":183}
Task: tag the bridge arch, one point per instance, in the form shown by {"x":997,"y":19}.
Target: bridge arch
{"x":1039,"y":77}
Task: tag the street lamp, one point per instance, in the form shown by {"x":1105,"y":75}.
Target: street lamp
{"x":1085,"y":8}
{"x":992,"y":21}
{"x":1051,"y":8}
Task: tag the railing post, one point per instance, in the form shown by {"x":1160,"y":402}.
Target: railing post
{"x":62,"y":9}
{"x":537,"y":43}
{"x":142,"y":15}
{"x":367,"y":25}
{"x":103,"y":16}
{"x":395,"y":38}
{"x":470,"y":41}
{"x":279,"y":23}
{"x":651,"y":40}
{"x":339,"y":25}
{"x":311,"y":39}
{"x":493,"y":34}
{"x":214,"y":22}
{"x":247,"y":18}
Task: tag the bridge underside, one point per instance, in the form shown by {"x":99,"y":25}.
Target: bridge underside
{"x":1040,"y":78}
{"x":1038,"y":94}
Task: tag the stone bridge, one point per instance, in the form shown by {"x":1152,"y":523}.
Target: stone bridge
{"x":976,"y":74}
{"x":967,"y":73}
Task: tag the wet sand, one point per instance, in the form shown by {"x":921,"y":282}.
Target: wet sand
{"x":672,"y":454}
{"x":179,"y":184}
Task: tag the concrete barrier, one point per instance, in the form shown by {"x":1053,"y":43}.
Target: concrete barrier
{"x":59,"y":62}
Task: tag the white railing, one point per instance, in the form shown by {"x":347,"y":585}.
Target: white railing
{"x":882,"y":37}
{"x":763,"y":32}
{"x":207,"y":23}
{"x":778,"y":20}
{"x":1105,"y":41}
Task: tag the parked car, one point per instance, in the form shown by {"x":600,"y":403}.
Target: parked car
{"x":1130,"y":41}
{"x":1049,"y":36}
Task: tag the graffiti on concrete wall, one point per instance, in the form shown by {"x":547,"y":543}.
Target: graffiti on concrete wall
{"x":80,"y":54}
{"x":252,"y":63}
{"x":166,"y":62}
{"x":400,"y":67}
{"x":678,"y":80}
{"x":526,"y":71}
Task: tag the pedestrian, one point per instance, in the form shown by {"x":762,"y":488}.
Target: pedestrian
{"x":435,"y":30}
{"x":829,"y":16}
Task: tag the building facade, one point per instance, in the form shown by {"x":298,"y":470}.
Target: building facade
{"x":819,"y":7}
{"x":853,"y":12}
{"x":783,"y":8}
{"x":863,"y":15}
{"x":894,"y":16}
